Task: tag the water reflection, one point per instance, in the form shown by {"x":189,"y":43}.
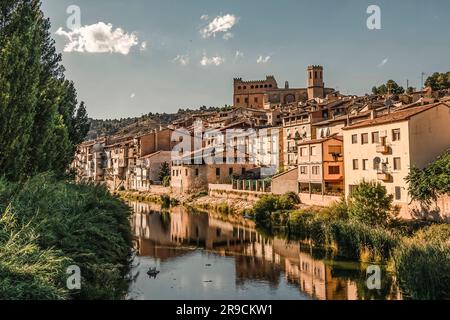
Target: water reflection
{"x":202,"y":256}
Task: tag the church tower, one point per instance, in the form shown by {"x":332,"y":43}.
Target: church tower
{"x":316,"y":85}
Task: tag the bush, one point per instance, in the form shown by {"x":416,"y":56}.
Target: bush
{"x":266,"y":210}
{"x":423,"y":269}
{"x":86,"y":224}
{"x":370,"y":203}
{"x":28,"y":272}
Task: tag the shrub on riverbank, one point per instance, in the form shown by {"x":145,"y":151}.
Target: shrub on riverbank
{"x":86,"y":224}
{"x":350,"y":238}
{"x":422,"y":263}
{"x":26,"y":270}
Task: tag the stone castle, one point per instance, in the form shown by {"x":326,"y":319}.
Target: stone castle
{"x":265,"y":94}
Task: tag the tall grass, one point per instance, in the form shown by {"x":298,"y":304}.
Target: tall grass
{"x":86,"y":224}
{"x":26,"y":270}
{"x":422,"y":263}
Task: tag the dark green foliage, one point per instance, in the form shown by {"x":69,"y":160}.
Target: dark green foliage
{"x":85,"y":223}
{"x":422,"y":264}
{"x":439,"y":81}
{"x":26,"y":270}
{"x":39,"y":121}
{"x":428,"y":184}
{"x":390,"y":87}
{"x":370,"y":203}
{"x":267,"y":209}
{"x":164,"y":174}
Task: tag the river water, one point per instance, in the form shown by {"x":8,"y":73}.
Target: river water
{"x":209,"y":256}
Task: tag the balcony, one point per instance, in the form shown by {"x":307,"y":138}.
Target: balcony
{"x":383,"y":149}
{"x":293,"y":150}
{"x":384,"y":176}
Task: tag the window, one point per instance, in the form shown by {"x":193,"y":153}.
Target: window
{"x":334,"y":170}
{"x":397,"y":164}
{"x":243,"y":171}
{"x":186,"y":172}
{"x":365,"y":138}
{"x":246,"y":100}
{"x":355,"y":164}
{"x":239,"y":88}
{"x":398,"y":193}
{"x":314,"y":151}
{"x":376,"y":163}
{"x":303,"y":170}
{"x":303,"y":152}
{"x":196,"y":172}
{"x":230,"y":171}
{"x":375,"y":137}
{"x":315,"y":170}
{"x":354,"y":139}
{"x":218,"y":172}
{"x":256,"y":100}
{"x":310,"y":74}
{"x":365,"y":163}
{"x":238,"y":100}
{"x":396,"y":135}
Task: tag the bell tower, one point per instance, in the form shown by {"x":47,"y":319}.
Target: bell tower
{"x":316,"y":85}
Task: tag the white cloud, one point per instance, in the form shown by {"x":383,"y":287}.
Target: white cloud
{"x":204,"y":17}
{"x":383,"y":63}
{"x":99,"y":38}
{"x":239,"y":54}
{"x":143,"y":46}
{"x":228,"y":36}
{"x":182,"y":59}
{"x":216,"y":61}
{"x":219,"y":24}
{"x":133,"y":95}
{"x":263,"y":60}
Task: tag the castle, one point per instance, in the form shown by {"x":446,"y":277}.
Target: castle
{"x":263,"y":94}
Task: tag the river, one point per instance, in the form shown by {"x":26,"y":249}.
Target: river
{"x":210,"y":256}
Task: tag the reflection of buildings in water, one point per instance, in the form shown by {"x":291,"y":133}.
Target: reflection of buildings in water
{"x":256,"y":258}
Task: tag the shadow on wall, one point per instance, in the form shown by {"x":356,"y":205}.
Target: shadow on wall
{"x":428,"y":213}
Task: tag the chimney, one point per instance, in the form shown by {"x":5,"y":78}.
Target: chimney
{"x":372,"y":114}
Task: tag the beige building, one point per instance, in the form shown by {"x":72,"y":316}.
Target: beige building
{"x":385,"y":148}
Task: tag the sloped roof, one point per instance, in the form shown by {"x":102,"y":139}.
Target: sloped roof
{"x":398,"y":116}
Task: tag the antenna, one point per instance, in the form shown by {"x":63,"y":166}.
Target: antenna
{"x":422,"y":75}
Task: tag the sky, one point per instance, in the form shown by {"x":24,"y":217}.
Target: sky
{"x":129,"y":58}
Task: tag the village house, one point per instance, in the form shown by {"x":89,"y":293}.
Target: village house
{"x":385,"y":147}
{"x":321,"y":166}
{"x":195,"y":171}
{"x":89,"y":161}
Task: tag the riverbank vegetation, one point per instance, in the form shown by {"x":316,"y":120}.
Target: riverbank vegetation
{"x":47,"y":225}
{"x":418,"y":252}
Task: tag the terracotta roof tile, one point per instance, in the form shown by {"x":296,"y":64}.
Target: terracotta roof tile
{"x":397,"y":116}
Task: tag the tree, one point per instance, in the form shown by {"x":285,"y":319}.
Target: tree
{"x":390,"y":87}
{"x":438,"y":81}
{"x":38,"y":122}
{"x":410,"y":90}
{"x":164,"y":174}
{"x":426,"y":185}
{"x":370,"y":203}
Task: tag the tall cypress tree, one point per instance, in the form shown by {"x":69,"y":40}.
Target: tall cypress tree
{"x":20,"y":67}
{"x":39,"y":121}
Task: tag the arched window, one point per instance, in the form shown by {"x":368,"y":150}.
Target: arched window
{"x":376,"y":163}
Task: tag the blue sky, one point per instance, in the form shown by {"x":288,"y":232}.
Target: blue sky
{"x":285,"y":36}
